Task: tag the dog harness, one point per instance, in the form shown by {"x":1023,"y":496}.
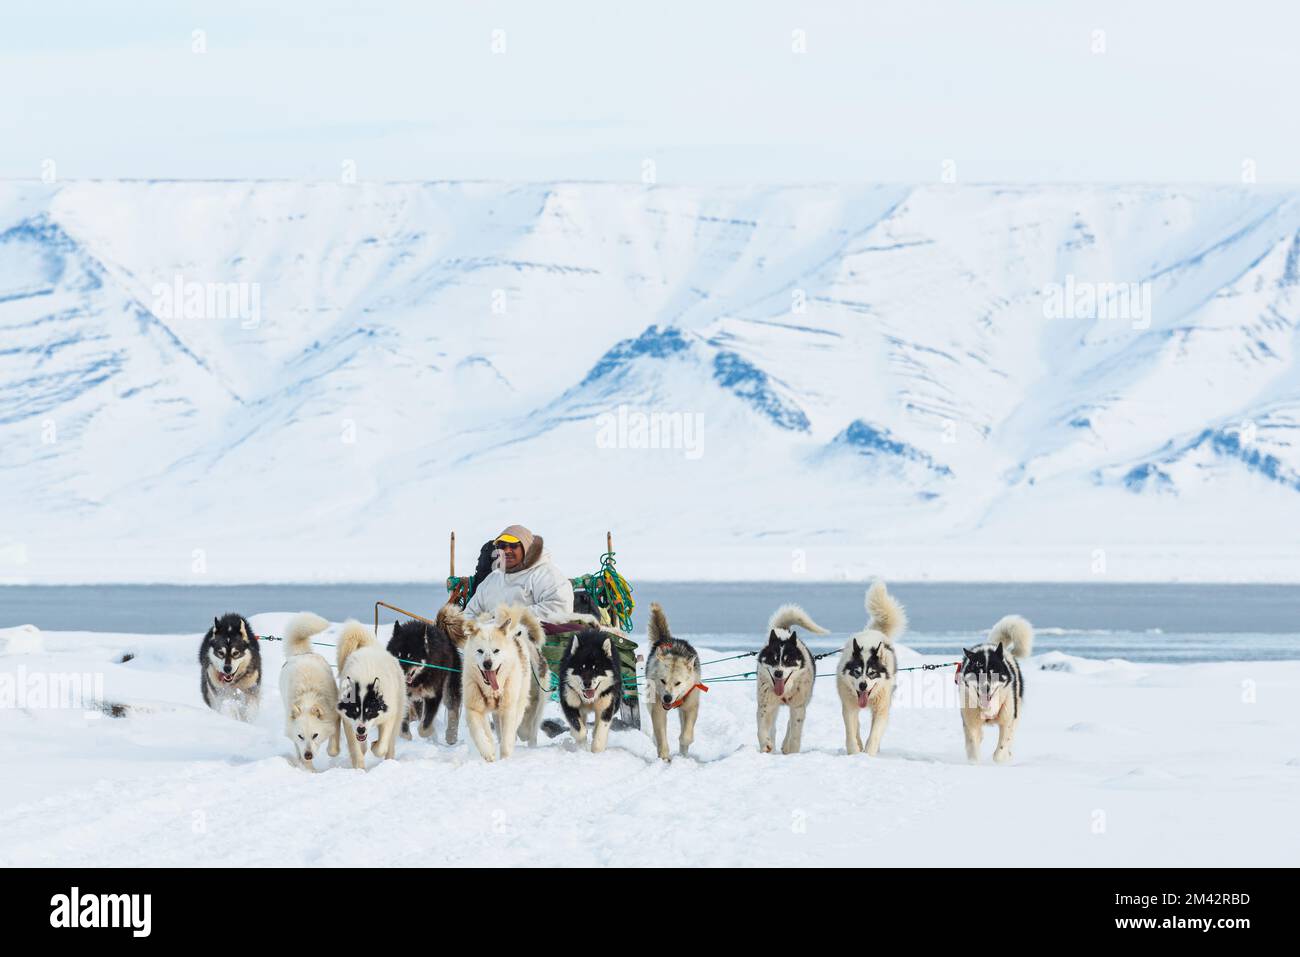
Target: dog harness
{"x":682,"y":700}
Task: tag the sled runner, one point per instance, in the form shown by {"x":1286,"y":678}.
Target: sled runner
{"x":604,"y":594}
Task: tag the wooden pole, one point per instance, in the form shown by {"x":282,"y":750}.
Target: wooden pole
{"x":452,"y":573}
{"x":609,"y":542}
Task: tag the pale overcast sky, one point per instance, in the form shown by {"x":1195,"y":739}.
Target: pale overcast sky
{"x":712,"y":90}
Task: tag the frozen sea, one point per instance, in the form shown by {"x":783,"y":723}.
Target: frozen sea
{"x":1159,"y":623}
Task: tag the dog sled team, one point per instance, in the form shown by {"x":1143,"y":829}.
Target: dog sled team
{"x":489,"y":659}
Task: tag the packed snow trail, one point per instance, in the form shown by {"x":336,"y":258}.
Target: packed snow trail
{"x":1115,"y":764}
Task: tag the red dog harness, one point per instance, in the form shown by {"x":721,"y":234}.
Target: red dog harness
{"x":682,"y":700}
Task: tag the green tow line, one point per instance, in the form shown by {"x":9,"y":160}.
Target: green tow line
{"x":326,"y":644}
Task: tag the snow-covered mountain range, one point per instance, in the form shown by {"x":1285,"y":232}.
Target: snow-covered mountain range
{"x":248,"y":381}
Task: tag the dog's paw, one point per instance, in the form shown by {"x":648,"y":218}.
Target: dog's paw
{"x":406,"y":735}
{"x":1001,"y":755}
{"x":374,"y":748}
{"x":451,"y":739}
{"x":426,"y":731}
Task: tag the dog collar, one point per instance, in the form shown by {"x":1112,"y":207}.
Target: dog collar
{"x":682,"y":700}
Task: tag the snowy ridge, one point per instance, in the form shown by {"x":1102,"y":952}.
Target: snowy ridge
{"x":917,"y":382}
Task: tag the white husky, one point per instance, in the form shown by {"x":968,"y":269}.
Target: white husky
{"x":786,"y":670}
{"x":865,"y":677}
{"x":503,"y":674}
{"x":372,"y":693}
{"x":307,"y":689}
{"x":992,"y":687}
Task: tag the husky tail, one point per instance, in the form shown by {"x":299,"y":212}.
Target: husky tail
{"x":300,"y":631}
{"x":788,"y":615}
{"x":657,"y":630}
{"x":452,"y":621}
{"x":1014,"y":632}
{"x":887,"y":615}
{"x":353,"y":636}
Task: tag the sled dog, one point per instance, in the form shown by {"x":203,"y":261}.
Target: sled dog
{"x":590,"y":683}
{"x":372,"y":694}
{"x":992,"y":686}
{"x":865,"y":676}
{"x":416,"y":644}
{"x":672,"y":670}
{"x":231,"y":677}
{"x":311,"y":699}
{"x":785,"y":677}
{"x":503,"y":675}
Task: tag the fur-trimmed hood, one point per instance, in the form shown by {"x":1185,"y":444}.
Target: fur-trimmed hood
{"x":536,"y":553}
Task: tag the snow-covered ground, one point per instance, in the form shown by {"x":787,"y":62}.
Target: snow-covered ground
{"x":1115,"y":764}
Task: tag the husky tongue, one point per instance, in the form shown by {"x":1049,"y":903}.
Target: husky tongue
{"x":589,"y":692}
{"x":862,"y":698}
{"x":491,"y":677}
{"x":778,"y":685}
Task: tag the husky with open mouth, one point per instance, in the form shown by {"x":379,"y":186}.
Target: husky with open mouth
{"x":786,"y":670}
{"x":431,"y":664}
{"x":372,"y":694}
{"x":311,"y":715}
{"x":590,"y":684}
{"x":672,"y":670}
{"x":504,"y":674}
{"x":992,"y":686}
{"x":231,"y":680}
{"x":865,"y":676}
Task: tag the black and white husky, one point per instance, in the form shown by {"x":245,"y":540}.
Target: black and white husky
{"x":786,"y":670}
{"x":416,"y":645}
{"x":672,"y":671}
{"x":992,"y":686}
{"x":231,"y":679}
{"x":865,"y":677}
{"x":372,"y":694}
{"x":590,"y":683}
